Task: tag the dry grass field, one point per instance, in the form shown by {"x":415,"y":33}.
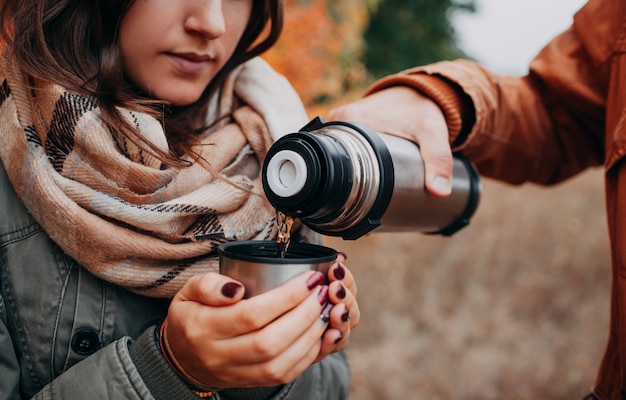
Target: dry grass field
{"x":513,"y":307}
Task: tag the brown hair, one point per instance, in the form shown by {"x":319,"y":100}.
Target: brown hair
{"x":74,"y":43}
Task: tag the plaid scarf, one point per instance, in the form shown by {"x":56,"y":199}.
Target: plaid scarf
{"x":114,"y":208}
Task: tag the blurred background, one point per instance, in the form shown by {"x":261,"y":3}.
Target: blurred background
{"x":516,"y":305}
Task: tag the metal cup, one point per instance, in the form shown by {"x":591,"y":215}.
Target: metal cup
{"x":257,"y":265}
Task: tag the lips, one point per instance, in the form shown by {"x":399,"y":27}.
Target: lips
{"x":190,"y":63}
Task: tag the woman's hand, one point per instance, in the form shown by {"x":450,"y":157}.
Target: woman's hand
{"x":404,"y":112}
{"x":218,"y":340}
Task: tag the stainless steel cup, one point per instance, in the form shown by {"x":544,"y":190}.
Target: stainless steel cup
{"x":256,"y":264}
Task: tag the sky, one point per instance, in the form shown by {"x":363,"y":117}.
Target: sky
{"x":504,"y":35}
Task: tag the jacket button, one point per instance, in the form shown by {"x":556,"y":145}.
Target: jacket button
{"x":85,"y":342}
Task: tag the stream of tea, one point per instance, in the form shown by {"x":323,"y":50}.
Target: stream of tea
{"x":283,"y":239}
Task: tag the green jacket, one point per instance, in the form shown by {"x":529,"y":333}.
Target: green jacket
{"x":65,"y":334}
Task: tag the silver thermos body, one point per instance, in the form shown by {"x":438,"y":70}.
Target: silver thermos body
{"x":344,"y":179}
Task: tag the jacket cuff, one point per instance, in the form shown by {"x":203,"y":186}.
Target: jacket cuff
{"x":164,"y":383}
{"x":160,"y":379}
{"x":457,"y":106}
{"x":257,"y":393}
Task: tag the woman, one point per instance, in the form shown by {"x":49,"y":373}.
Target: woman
{"x":131,"y":138}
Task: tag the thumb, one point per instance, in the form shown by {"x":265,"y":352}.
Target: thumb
{"x":212,"y":289}
{"x":438,"y":170}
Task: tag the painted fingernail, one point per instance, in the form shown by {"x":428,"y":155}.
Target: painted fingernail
{"x":230,"y":289}
{"x":339,"y":272}
{"x":345,"y":317}
{"x":315,"y":280}
{"x":325,"y":315}
{"x":322,"y":296}
{"x":340,"y":338}
{"x":341,"y":293}
{"x":345,"y":256}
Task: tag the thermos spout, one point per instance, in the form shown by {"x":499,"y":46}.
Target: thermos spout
{"x":286,"y":173}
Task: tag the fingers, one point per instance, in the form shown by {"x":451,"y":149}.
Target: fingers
{"x":438,"y":165}
{"x":253,"y":340}
{"x":344,"y":314}
{"x":299,"y":324}
{"x":275,"y":354}
{"x":211,"y":289}
{"x":375,"y":111}
{"x":203,"y":311}
{"x":221,"y":339}
{"x":340,"y":296}
{"x":256,"y":312}
{"x":404,"y":112}
{"x":339,"y":272}
{"x":336,"y":336}
{"x":284,"y":368}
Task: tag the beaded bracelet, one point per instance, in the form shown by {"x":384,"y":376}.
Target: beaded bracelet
{"x":204,"y":395}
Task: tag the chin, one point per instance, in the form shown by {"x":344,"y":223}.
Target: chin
{"x":181,"y":101}
{"x":177,"y":96}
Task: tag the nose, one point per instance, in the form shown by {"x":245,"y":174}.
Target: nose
{"x":206,"y":19}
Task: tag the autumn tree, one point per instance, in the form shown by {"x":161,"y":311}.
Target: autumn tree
{"x":330,"y":47}
{"x":405,"y":33}
{"x":319,"y":50}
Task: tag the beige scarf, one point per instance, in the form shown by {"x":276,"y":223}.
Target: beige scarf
{"x":117,"y":211}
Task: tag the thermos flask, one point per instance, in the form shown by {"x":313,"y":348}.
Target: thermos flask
{"x":344,"y":179}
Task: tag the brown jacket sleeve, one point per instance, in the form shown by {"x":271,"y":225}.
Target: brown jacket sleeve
{"x":543,"y":127}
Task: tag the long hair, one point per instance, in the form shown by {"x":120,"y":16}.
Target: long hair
{"x":74,"y":43}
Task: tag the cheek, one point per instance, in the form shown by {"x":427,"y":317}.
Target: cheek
{"x":132,"y":55}
{"x":134,"y":69}
{"x":141,"y":62}
{"x":237,"y":20}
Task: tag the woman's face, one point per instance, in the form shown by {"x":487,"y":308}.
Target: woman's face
{"x":172,"y":49}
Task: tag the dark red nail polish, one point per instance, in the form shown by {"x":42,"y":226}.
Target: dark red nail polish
{"x":315,"y":280}
{"x":345,"y":256}
{"x":322,"y":296}
{"x":339,"y":272}
{"x":325,"y":315}
{"x":340,"y":338}
{"x":345,"y":317}
{"x":230,"y":289}
{"x":341,"y":293}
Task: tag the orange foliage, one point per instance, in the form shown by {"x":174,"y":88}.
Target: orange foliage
{"x":312,"y":50}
